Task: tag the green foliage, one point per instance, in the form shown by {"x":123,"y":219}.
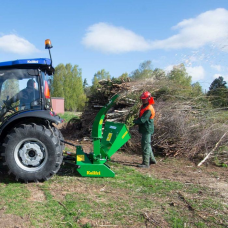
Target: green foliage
{"x":123,"y":77}
{"x":159,"y":74}
{"x":58,"y":80}
{"x":197,"y":89}
{"x":218,"y":93}
{"x":100,"y":75}
{"x":85,"y":83}
{"x":217,"y":83}
{"x":129,"y":122}
{"x":67,"y":83}
{"x":144,"y":71}
{"x":179,"y":75}
{"x":69,"y":115}
{"x":176,"y":85}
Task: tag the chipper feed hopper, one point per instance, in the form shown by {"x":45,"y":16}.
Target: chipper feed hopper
{"x":105,"y":144}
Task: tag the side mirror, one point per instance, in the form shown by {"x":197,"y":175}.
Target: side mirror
{"x":49,"y":82}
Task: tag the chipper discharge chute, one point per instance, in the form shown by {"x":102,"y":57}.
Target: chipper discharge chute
{"x":105,"y":145}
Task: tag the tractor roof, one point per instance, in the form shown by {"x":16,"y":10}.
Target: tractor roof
{"x":42,"y":63}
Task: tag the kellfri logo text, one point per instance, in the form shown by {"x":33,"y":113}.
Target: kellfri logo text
{"x":32,"y":61}
{"x":94,"y":173}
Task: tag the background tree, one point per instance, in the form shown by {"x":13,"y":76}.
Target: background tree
{"x":67,"y":87}
{"x":100,"y":75}
{"x":218,"y":83}
{"x":218,"y":93}
{"x":179,"y":75}
{"x":78,"y":94}
{"x":123,"y":77}
{"x":85,"y":83}
{"x":58,"y":80}
{"x":197,"y":89}
{"x":144,"y":71}
{"x":159,"y":74}
{"x":67,"y":83}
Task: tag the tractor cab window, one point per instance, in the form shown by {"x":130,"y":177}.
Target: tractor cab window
{"x":19,"y":90}
{"x":47,"y":95}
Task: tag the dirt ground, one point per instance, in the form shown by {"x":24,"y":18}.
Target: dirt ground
{"x":174,"y":169}
{"x":182,"y":170}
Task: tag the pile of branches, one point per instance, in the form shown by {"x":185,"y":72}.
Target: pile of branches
{"x":183,"y":127}
{"x":81,"y":129}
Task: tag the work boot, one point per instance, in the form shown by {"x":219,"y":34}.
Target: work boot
{"x":143,"y":166}
{"x":152,"y":162}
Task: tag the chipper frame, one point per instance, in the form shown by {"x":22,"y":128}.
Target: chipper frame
{"x":105,"y":145}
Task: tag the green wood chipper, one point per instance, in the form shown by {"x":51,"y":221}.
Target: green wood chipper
{"x":105,"y":143}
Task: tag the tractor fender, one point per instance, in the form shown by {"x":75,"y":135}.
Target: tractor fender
{"x":31,"y":114}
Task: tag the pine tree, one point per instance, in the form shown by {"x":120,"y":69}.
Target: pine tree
{"x":85,"y":83}
{"x":218,"y":93}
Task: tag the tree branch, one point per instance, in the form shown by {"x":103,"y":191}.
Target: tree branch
{"x":208,"y":155}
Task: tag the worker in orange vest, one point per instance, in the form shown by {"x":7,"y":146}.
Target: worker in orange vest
{"x":146,"y":128}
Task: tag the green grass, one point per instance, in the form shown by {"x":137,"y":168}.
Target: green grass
{"x":120,"y":201}
{"x":69,"y":115}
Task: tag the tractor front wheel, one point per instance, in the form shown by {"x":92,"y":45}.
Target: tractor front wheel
{"x":32,"y":153}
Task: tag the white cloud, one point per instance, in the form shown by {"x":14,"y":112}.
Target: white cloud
{"x":15,"y":44}
{"x":210,"y":27}
{"x":168,"y":68}
{"x":216,"y":67}
{"x":197,"y":73}
{"x":108,"y":38}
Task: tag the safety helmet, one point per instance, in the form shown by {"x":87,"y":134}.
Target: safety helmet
{"x":145,"y":95}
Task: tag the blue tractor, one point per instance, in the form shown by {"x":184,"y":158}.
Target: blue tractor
{"x":31,"y":147}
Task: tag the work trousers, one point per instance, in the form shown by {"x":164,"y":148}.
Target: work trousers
{"x":147,"y":153}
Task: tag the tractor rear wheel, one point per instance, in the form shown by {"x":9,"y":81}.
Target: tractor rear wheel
{"x":59,"y":134}
{"x":32,"y":153}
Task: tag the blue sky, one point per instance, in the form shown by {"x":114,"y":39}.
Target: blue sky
{"x":119,"y":35}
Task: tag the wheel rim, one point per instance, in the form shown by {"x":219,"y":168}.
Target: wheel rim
{"x":31,"y":154}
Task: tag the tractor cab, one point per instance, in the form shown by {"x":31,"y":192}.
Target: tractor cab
{"x":24,"y":86}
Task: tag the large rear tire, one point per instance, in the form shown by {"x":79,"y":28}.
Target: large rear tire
{"x":32,"y":153}
{"x":59,"y":134}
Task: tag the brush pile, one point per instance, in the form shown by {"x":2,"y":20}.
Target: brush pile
{"x":82,"y":128}
{"x":183,"y":126}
